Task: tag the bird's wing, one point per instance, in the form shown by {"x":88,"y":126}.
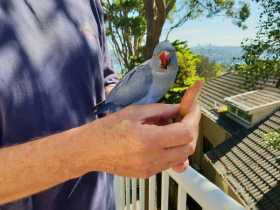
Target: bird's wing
{"x":134,"y":86}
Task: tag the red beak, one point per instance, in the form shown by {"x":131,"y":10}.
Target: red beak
{"x":165,"y":59}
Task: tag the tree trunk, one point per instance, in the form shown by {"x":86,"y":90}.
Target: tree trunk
{"x":156,"y":12}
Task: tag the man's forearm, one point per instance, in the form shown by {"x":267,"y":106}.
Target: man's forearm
{"x":126,"y":143}
{"x":38,"y":165}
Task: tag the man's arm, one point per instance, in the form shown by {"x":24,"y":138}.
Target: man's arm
{"x":128,"y":143}
{"x":35,"y":166}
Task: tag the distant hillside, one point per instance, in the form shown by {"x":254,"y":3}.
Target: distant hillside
{"x":223,"y":54}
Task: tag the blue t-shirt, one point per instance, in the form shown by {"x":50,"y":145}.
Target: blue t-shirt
{"x":53,"y":70}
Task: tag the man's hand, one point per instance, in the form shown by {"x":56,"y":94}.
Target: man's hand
{"x":135,"y":142}
{"x":138,"y":142}
{"x":186,"y":106}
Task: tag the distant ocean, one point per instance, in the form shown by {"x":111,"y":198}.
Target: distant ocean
{"x":226,"y":55}
{"x":220,"y":54}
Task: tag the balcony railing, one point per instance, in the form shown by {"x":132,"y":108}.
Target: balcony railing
{"x":205,"y":193}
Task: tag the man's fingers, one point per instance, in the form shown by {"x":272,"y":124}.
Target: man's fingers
{"x":181,"y":167}
{"x":170,"y":158}
{"x":172,"y":135}
{"x":175,"y":134}
{"x":177,"y":153}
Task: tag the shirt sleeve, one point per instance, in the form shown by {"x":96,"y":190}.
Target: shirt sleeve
{"x":110,"y":77}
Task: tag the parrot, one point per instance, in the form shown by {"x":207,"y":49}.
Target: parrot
{"x":146,"y":83}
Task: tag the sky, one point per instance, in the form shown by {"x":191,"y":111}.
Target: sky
{"x":218,"y":31}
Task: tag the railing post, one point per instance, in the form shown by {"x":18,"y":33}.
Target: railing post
{"x":208,"y":195}
{"x":134,"y":190}
{"x":142,"y":194}
{"x":119,"y":192}
{"x":182,"y":198}
{"x":127,"y":193}
{"x":152,"y":193}
{"x":164,"y":190}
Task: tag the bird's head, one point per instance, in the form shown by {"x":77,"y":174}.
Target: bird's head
{"x":164,"y":57}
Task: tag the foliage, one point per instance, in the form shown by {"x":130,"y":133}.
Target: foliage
{"x":126,"y":26}
{"x":262,"y":54}
{"x":187,"y":76}
{"x":192,"y":68}
{"x":209,"y":69}
{"x":273,"y":139}
{"x":135,"y":26}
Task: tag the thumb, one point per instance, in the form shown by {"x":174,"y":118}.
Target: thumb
{"x":190,"y":97}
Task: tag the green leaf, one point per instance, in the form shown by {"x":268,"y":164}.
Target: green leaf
{"x":272,"y":139}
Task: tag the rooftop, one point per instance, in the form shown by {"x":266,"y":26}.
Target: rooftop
{"x":228,"y":85}
{"x":250,"y":167}
{"x":256,"y":100}
{"x":247,"y":164}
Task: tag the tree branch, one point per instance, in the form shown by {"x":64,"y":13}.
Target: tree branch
{"x":169,"y":6}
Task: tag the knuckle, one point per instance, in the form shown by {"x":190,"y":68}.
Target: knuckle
{"x":186,"y":164}
{"x":189,"y":135}
{"x":141,"y":161}
{"x":192,"y":148}
{"x":183,"y":156}
{"x":145,"y":142}
{"x":143,"y":145}
{"x":137,"y":133}
{"x":154,"y":144}
{"x":136,"y":129}
{"x":134,"y":132}
{"x":186,"y":152}
{"x":183,"y":160}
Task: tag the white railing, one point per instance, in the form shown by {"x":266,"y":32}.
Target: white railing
{"x":205,"y":193}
